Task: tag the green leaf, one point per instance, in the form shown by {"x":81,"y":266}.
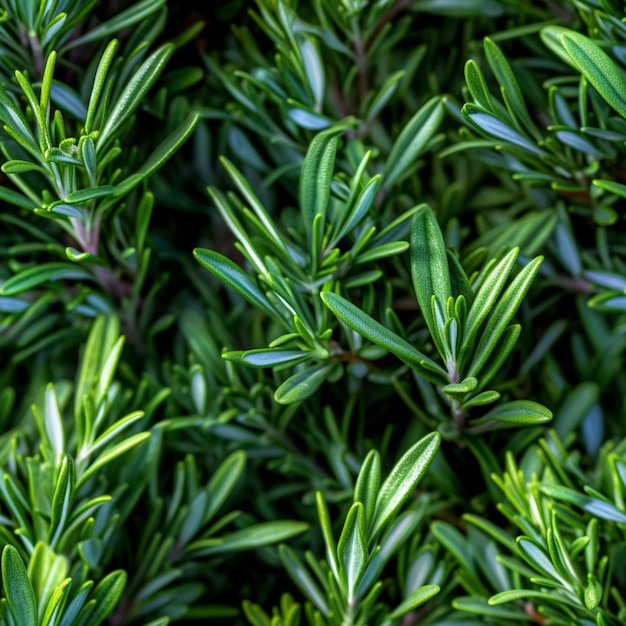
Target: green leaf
{"x":39,"y":274}
{"x":492,"y":529}
{"x":223,"y":481}
{"x":415,"y":599}
{"x":301,"y":577}
{"x":594,"y":506}
{"x":362,"y":205}
{"x":17,"y":587}
{"x":106,"y":595}
{"x":459,"y":390}
{"x":133,"y":94}
{"x":114,"y":430}
{"x":306,"y":117}
{"x":62,"y":500}
{"x":383,"y":95}
{"x":53,"y":610}
{"x":402,"y":480}
{"x":249,"y":538}
{"x":135,"y":14}
{"x":413,"y":140}
{"x":99,"y":84}
{"x":327,"y":533}
{"x":85,"y":195}
{"x":460,"y":9}
{"x":486,"y":297}
{"x":76,"y":256}
{"x":255,"y":615}
{"x":369,"y":328}
{"x":480,"y":606}
{"x":608,"y":302}
{"x":73,"y":609}
{"x":477,"y":85}
{"x":302,"y":385}
{"x":46,"y":571}
{"x":102,"y":338}
{"x":268,"y":357}
{"x":526,"y":594}
{"x":255,"y":204}
{"x":381,"y":252}
{"x":486,"y":397}
{"x":315,"y":180}
{"x":367,"y":485}
{"x":429,"y":268}
{"x":430,"y":273}
{"x":15,"y":166}
{"x":385,"y":547}
{"x":17,"y":199}
{"x":496,"y":127}
{"x":112,"y":453}
{"x":352,"y":549}
{"x":455,"y":543}
{"x":161,"y":155}
{"x":552,"y":38}
{"x":53,"y":426}
{"x":611,"y":186}
{"x":515,"y":413}
{"x":575,"y":407}
{"x":235,"y":278}
{"x":503,"y":348}
{"x":537,"y":558}
{"x":598,"y":68}
{"x":502,"y":314}
{"x":107,"y":371}
{"x":509,"y":86}
{"x":593,"y":592}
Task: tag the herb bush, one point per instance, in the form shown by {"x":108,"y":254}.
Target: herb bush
{"x":313,"y":313}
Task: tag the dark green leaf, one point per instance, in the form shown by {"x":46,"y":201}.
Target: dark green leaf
{"x":486,"y":297}
{"x":302,"y":385}
{"x":352,"y":548}
{"x":106,"y":595}
{"x":509,"y":86}
{"x":160,"y":156}
{"x":133,"y":94}
{"x":16,"y":166}
{"x":429,"y":269}
{"x":515,"y":413}
{"x":502,"y":314}
{"x":496,"y":127}
{"x":249,"y":538}
{"x":235,"y":278}
{"x":365,"y":325}
{"x":595,"y":506}
{"x":223,"y":481}
{"x":85,"y":195}
{"x":415,"y":599}
{"x":62,"y":499}
{"x":413,"y":140}
{"x":315,"y":179}
{"x":39,"y":274}
{"x":381,"y":252}
{"x":608,"y":185}
{"x":367,"y":485}
{"x":134,"y":14}
{"x":477,"y":85}
{"x":18,"y":590}
{"x":598,"y":68}
{"x":402,"y":480}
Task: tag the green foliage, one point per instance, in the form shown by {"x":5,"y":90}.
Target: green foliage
{"x":345,"y":588}
{"x":254,"y":251}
